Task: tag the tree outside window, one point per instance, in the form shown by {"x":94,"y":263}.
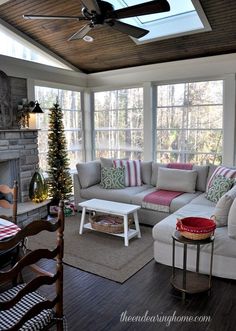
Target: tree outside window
{"x":118,"y":123}
{"x":189,"y":122}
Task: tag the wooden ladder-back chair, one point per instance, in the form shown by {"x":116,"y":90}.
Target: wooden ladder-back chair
{"x":22,"y":307}
{"x":7,"y":203}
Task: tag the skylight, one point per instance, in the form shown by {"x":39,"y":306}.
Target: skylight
{"x":15,"y":46}
{"x":185,"y":17}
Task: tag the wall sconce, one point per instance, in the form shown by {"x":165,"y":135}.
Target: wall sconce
{"x":35,"y":107}
{"x":24,"y":111}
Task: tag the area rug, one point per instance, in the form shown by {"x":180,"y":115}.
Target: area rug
{"x":99,"y":253}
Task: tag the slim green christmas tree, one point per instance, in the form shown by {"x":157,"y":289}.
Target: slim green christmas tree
{"x":59,"y":181}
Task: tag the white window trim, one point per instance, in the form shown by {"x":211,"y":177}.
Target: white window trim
{"x":229,"y":102}
{"x":149,"y":99}
{"x":93,"y":130}
{"x":31,"y":83}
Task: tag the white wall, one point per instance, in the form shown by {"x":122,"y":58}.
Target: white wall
{"x":179,"y":70}
{"x":35,"y":71}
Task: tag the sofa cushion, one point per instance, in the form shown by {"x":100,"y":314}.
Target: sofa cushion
{"x":232,"y":192}
{"x":113,"y":178}
{"x":232,"y":220}
{"x":146,"y":168}
{"x":202,"y":173}
{"x":219,"y":186}
{"x":212,"y":168}
{"x":176,"y":180}
{"x":182,"y":200}
{"x":108,"y":162}
{"x":146,"y":172}
{"x":89,"y":173}
{"x":202,"y":200}
{"x":222,"y":207}
{"x":224,"y":245}
{"x":221,"y":211}
{"x":137,"y":199}
{"x":132,"y":171}
{"x":122,"y":195}
{"x":163,"y":231}
{"x":221,"y":171}
{"x":155,"y":167}
{"x":176,"y":203}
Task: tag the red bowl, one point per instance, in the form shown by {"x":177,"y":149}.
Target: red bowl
{"x":195,"y":225}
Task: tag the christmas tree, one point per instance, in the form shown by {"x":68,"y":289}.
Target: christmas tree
{"x":59,"y":181}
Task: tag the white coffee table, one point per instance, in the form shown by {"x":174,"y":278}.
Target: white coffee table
{"x":114,"y":208}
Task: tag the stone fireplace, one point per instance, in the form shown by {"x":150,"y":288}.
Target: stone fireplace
{"x":18,"y":158}
{"x":18,"y":148}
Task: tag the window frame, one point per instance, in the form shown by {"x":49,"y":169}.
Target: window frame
{"x":93,"y":133}
{"x":65,"y":87}
{"x":188,"y":81}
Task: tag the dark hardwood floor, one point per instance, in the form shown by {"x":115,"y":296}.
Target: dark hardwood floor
{"x":92,"y":303}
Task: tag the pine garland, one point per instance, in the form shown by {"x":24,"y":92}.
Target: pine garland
{"x":59,"y":181}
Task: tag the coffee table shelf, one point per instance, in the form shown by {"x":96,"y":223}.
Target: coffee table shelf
{"x":113,"y":208}
{"x":131,"y":232}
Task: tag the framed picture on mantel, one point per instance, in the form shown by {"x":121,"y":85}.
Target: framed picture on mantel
{"x":6,"y":113}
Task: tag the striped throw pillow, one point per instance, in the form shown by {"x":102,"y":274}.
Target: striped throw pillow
{"x":132,"y":171}
{"x":221,"y":171}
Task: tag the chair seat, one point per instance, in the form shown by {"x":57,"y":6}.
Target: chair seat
{"x":9,"y":317}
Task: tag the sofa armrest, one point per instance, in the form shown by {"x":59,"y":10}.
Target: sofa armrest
{"x":77,"y":188}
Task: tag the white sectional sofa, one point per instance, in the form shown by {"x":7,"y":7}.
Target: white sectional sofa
{"x":224,"y":260}
{"x":87,"y":186}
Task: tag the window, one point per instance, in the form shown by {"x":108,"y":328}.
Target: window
{"x":118,"y":123}
{"x":15,"y":46}
{"x":189,"y":122}
{"x":184,"y":17}
{"x":70,"y":103}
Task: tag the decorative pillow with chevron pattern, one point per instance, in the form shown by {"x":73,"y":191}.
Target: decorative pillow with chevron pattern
{"x":113,"y":178}
{"x":219,"y":187}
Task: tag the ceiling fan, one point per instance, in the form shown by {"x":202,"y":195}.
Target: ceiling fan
{"x":99,"y":12}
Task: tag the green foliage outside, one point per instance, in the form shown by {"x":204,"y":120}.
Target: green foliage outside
{"x":59,"y":181}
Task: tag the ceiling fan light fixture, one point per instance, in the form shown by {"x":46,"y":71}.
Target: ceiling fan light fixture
{"x":101,"y":12}
{"x":88,"y":39}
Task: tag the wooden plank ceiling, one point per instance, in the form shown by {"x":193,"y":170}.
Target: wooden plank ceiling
{"x":112,"y":49}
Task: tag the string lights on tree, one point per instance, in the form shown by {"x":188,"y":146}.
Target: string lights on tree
{"x":59,"y":181}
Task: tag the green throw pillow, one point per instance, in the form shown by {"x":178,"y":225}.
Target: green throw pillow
{"x":113,"y":178}
{"x":218,"y":188}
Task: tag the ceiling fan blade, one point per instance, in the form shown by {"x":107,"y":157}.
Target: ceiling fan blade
{"x":46,"y":17}
{"x":147,"y":8}
{"x":81,"y":33}
{"x":128,"y":29}
{"x":91,"y":5}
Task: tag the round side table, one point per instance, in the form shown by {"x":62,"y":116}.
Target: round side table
{"x":187,"y":281}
